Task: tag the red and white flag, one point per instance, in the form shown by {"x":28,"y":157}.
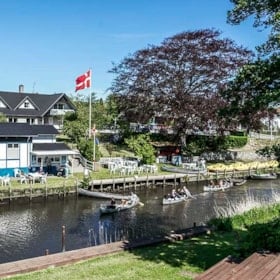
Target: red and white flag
{"x":83,"y":81}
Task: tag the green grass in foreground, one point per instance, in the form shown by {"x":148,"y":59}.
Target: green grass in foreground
{"x":178,"y":260}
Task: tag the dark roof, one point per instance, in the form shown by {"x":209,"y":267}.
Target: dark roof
{"x":42,"y":102}
{"x":50,"y":147}
{"x":25,"y":129}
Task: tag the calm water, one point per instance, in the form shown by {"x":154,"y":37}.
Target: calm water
{"x":27,"y":230}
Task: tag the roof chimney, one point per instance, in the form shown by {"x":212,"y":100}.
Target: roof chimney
{"x":21,"y":88}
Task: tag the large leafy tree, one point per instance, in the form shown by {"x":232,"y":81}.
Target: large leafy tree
{"x":76,"y":124}
{"x":256,"y":86}
{"x":142,"y":147}
{"x":252,"y":93}
{"x":266,"y":15}
{"x":179,"y":80}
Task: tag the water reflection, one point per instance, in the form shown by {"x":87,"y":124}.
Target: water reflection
{"x":27,"y":230}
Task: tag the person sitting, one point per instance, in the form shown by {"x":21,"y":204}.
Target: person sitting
{"x":113,"y":203}
{"x":187,"y":192}
{"x":174,"y":194}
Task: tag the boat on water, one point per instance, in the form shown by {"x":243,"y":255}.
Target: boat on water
{"x":184,"y":170}
{"x":219,"y":187}
{"x":98,"y":194}
{"x":263,"y":176}
{"x":177,"y":197}
{"x":173,"y":200}
{"x":238,"y":182}
{"x":124,"y":205}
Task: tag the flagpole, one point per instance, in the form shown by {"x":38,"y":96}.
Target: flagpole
{"x":94,"y":130}
{"x":89,"y":117}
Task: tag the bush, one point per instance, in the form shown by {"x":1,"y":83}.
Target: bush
{"x":264,"y":236}
{"x":235,"y":141}
{"x":222,"y":224}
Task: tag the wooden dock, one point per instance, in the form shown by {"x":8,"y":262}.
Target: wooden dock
{"x":256,"y":267}
{"x":118,"y":185}
{"x":137,"y":182}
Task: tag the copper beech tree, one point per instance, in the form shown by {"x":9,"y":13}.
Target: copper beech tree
{"x":180,"y":80}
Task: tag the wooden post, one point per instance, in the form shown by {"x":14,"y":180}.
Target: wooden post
{"x":77,"y":186}
{"x":63,"y":239}
{"x":30,"y":197}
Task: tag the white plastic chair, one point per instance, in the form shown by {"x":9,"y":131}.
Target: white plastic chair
{"x":44,"y":178}
{"x":22,"y":179}
{"x":6,"y":180}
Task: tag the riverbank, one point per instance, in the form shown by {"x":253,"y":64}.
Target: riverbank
{"x":175,"y":257}
{"x":69,"y":257}
{"x":61,"y":187}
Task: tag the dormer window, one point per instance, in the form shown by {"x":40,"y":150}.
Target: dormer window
{"x":26,"y":104}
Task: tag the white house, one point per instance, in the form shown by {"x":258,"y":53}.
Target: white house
{"x":34,"y":108}
{"x":31,"y":148}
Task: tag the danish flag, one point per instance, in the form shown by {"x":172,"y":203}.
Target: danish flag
{"x":83,"y":81}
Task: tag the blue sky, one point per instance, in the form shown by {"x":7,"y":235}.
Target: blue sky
{"x":46,"y":44}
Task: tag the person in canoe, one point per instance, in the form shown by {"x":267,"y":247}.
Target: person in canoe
{"x":187,"y":193}
{"x":113,"y":203}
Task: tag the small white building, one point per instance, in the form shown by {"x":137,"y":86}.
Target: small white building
{"x":31,"y":148}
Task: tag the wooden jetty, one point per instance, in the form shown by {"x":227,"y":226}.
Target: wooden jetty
{"x":118,"y":185}
{"x":135,"y":182}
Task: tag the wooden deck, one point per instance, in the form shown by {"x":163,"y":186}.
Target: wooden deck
{"x":256,"y":267}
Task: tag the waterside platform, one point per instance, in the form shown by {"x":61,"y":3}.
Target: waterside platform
{"x":118,"y":185}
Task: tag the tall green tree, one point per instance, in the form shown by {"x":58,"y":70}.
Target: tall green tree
{"x":266,"y":15}
{"x":256,"y":86}
{"x":142,"y":147}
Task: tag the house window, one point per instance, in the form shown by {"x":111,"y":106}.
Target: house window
{"x":26,"y":104}
{"x":33,"y":159}
{"x":13,"y":151}
{"x":12,"y":120}
{"x":30,"y":121}
{"x":59,"y":106}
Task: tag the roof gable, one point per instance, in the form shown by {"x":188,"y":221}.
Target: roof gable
{"x":27,"y":104}
{"x":42,"y":103}
{"x":3,"y":104}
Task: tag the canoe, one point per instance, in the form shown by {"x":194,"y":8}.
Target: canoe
{"x":97,"y":194}
{"x":177,"y":199}
{"x":210,"y":188}
{"x":238,"y":182}
{"x":264,"y":176}
{"x":183,"y":170}
{"x":108,"y":208}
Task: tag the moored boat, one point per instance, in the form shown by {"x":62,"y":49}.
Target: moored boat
{"x":174,"y":169}
{"x":264,"y":176}
{"x":126,"y":204}
{"x":98,"y":194}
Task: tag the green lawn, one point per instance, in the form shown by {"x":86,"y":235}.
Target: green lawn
{"x":178,"y":260}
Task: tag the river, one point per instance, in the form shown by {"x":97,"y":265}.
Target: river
{"x":29,"y":229}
